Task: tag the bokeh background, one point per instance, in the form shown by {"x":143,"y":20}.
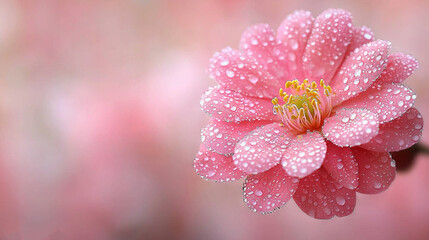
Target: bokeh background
{"x":100,"y":122}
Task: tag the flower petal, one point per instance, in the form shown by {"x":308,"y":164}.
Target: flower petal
{"x":221,"y":137}
{"x":351,"y":127}
{"x":359,"y":70}
{"x":293,"y":35}
{"x":259,"y":41}
{"x":341,"y":166}
{"x":304,"y":155}
{"x":261,"y":149}
{"x":318,"y":197}
{"x":216,"y":167}
{"x":231,"y":106}
{"x":361,"y":35}
{"x":399,"y":67}
{"x":327,"y":44}
{"x":389,"y":101}
{"x":236,"y":71}
{"x":398,"y":134}
{"x":376,"y":170}
{"x":269,"y":191}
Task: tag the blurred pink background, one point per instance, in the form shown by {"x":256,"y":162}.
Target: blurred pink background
{"x":100,"y":122}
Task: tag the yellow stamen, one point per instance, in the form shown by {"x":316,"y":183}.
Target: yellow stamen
{"x":306,"y":107}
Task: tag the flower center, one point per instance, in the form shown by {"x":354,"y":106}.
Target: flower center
{"x":305,"y":106}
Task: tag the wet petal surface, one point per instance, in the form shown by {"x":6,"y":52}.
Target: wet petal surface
{"x":327,"y":44}
{"x":230,"y":106}
{"x":389,"y":101}
{"x":376,"y":170}
{"x":341,"y":166}
{"x":304,"y":155}
{"x":318,"y":197}
{"x":261,"y":149}
{"x":293,"y":35}
{"x":359,"y":70}
{"x":216,"y":167}
{"x":269,"y":191}
{"x":361,"y":35}
{"x":221,"y":137}
{"x":351,"y":127}
{"x":399,"y":67}
{"x":236,"y":71}
{"x":259,"y":42}
{"x":398,"y":134}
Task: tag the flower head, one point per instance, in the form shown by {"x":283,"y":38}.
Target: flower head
{"x":310,"y":113}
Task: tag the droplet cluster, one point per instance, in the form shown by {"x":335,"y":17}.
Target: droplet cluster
{"x":216,"y":167}
{"x":341,"y":166}
{"x":376,"y":170}
{"x":351,"y":127}
{"x":318,"y":196}
{"x":399,"y":67}
{"x":268,"y":191}
{"x":221,"y":137}
{"x":359,"y":70}
{"x":389,"y":101}
{"x":304,"y":155}
{"x":261,"y":149}
{"x":231,"y":106}
{"x":242,"y":73}
{"x":328,"y":42}
{"x":401,"y":133}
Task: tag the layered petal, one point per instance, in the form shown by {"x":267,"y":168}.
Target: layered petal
{"x":292,"y":36}
{"x":351,"y":127}
{"x":270,"y":190}
{"x":361,"y":35}
{"x":221,"y":137}
{"x":236,"y":71}
{"x":259,"y":41}
{"x":341,"y":166}
{"x":304,"y":155}
{"x":261,"y":149}
{"x":359,"y":70}
{"x":231,"y":106}
{"x":318,"y":197}
{"x":216,"y":167}
{"x":327,"y":44}
{"x":398,"y":134}
{"x":389,"y":101}
{"x":376,"y":170}
{"x":399,"y":67}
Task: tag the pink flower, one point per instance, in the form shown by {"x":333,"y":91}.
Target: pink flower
{"x":340,"y":109}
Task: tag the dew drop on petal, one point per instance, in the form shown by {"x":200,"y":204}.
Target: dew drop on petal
{"x":340,"y":200}
{"x":230,"y":73}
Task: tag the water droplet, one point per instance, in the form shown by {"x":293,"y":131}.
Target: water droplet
{"x":377,"y":185}
{"x":358,"y":72}
{"x":367,"y":36}
{"x":224,"y":62}
{"x":340,"y":200}
{"x":293,"y":44}
{"x":230,"y":73}
{"x":253,"y":79}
